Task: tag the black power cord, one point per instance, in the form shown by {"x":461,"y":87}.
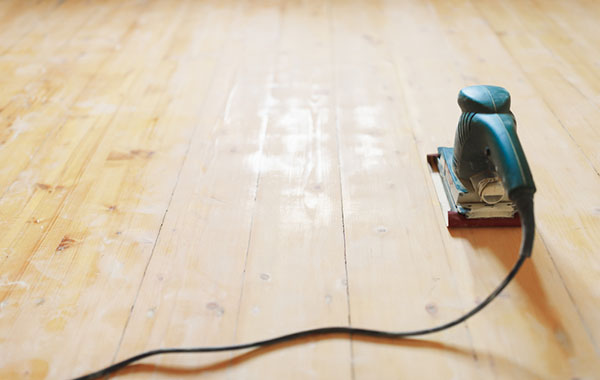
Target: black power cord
{"x":525,"y":207}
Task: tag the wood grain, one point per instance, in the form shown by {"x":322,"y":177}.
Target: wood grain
{"x":206,"y":172}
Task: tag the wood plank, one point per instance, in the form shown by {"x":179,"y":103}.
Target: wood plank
{"x":295,"y":277}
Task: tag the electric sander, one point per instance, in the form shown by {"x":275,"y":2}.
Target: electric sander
{"x":480,"y":180}
{"x":483,"y":181}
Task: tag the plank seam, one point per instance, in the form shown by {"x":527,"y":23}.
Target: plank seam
{"x":339,"y":157}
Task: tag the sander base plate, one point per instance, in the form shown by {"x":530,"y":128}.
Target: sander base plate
{"x":455,"y":219}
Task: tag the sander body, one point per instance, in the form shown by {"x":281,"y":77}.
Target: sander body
{"x":478,"y":180}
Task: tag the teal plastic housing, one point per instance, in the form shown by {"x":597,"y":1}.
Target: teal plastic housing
{"x":486,"y":139}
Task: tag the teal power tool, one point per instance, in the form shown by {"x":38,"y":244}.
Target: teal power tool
{"x":483,"y":179}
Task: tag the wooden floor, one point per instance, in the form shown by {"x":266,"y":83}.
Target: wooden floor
{"x":207,"y":172}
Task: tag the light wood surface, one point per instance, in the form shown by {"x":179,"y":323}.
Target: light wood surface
{"x":205,"y":173}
